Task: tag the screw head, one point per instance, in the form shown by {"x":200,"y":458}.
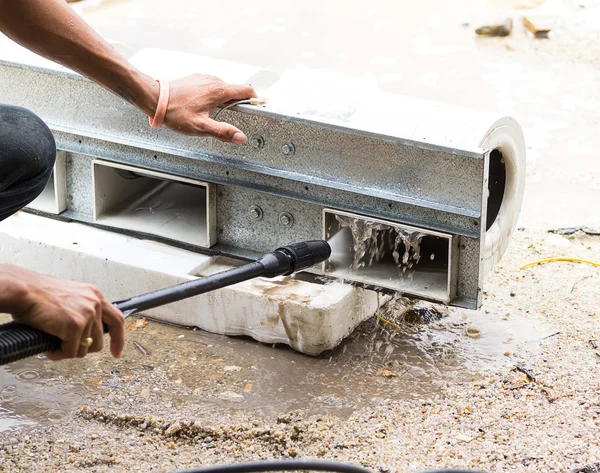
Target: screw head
{"x":286,"y":219}
{"x":255,"y":212}
{"x":257,"y":141}
{"x":288,"y":149}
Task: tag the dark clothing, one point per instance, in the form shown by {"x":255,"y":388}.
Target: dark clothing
{"x":27,"y":154}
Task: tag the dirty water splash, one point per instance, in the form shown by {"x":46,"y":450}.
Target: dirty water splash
{"x":372,"y":242}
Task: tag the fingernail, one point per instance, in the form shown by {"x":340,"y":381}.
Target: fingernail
{"x":238,"y":137}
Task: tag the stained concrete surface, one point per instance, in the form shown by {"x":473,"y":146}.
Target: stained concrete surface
{"x":450,"y":400}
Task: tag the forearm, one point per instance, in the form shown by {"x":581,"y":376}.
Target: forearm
{"x":53,"y":30}
{"x":13,"y":291}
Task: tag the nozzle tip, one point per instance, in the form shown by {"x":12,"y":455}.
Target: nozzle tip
{"x":307,"y":253}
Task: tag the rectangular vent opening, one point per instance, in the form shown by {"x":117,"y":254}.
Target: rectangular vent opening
{"x":383,"y":254}
{"x":53,"y":198}
{"x":154,"y":203}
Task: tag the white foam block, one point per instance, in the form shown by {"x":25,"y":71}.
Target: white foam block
{"x":309,"y":317}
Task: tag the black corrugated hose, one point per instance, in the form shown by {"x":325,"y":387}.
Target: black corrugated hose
{"x":297,"y":465}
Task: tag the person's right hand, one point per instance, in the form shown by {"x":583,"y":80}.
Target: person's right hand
{"x":192,"y":100}
{"x":69,"y":310}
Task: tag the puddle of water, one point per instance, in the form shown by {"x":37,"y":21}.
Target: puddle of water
{"x":376,"y":363}
{"x":420,"y":360}
{"x":27,"y":397}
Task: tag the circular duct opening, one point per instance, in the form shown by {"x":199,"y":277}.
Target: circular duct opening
{"x":506,"y":183}
{"x":496,"y":186}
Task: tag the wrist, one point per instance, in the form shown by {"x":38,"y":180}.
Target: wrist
{"x":15,"y":294}
{"x":147,"y":93}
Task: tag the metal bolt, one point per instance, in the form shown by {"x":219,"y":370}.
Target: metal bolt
{"x":288,"y":149}
{"x":257,"y":141}
{"x":255,"y":212}
{"x":286,"y":219}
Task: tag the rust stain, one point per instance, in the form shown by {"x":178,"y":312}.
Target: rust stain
{"x":281,"y":292}
{"x":286,"y":326}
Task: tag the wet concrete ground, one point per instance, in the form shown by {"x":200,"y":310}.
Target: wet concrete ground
{"x":430,"y":349}
{"x":422,"y":397}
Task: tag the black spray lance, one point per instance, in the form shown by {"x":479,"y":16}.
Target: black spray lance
{"x":19,"y":341}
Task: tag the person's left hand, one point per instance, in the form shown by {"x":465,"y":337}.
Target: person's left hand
{"x":192,"y":100}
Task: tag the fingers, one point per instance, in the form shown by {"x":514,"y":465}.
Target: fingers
{"x":55,"y":355}
{"x":87,"y":333}
{"x":193,"y":99}
{"x":223,"y":131}
{"x":70,"y":345}
{"x":78,"y":324}
{"x":112,"y":317}
{"x":97,"y":332}
{"x":237,"y":92}
{"x":114,"y":320}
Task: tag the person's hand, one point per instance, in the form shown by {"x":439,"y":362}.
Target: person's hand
{"x":192,"y":100}
{"x":68,"y":310}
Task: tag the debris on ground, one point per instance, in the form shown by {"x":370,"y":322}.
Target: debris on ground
{"x":386,"y":374}
{"x":576,"y":283}
{"x":139,"y":323}
{"x":230,"y":396}
{"x":473,"y":332}
{"x":173,"y":429}
{"x":424,"y":313}
{"x":572,"y":230}
{"x":526,"y":371}
{"x":140,"y":348}
{"x":539,"y":31}
{"x":499,"y":29}
{"x":592,"y":468}
{"x":549,"y":393}
{"x":549,"y":336}
{"x":529,"y":377}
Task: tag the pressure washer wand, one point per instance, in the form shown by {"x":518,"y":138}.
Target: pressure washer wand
{"x":19,"y":341}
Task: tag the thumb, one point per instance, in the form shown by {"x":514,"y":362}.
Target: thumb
{"x":224,"y":131}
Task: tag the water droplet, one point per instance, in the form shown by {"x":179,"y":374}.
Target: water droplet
{"x":28,"y":375}
{"x":10,"y":389}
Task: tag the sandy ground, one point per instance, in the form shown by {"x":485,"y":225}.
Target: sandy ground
{"x":427,"y":396}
